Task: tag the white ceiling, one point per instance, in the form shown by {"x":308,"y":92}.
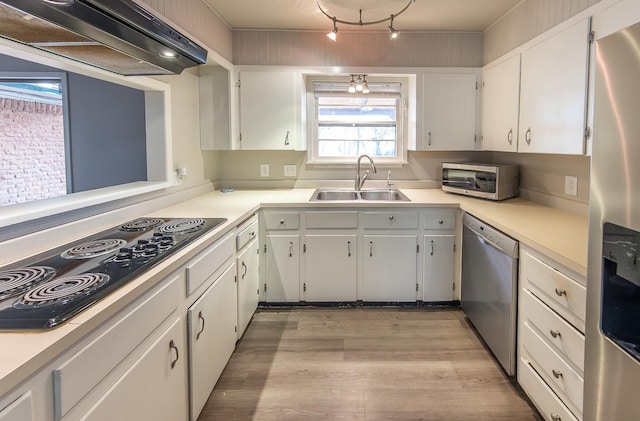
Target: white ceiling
{"x":422,"y":15}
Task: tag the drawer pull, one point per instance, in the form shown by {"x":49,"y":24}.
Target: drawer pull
{"x":291,"y":249}
{"x":555,"y":333}
{"x":431,"y":248}
{"x":560,"y":292}
{"x":200,"y":317}
{"x":556,"y":373}
{"x":172,"y":346}
{"x":440,"y":221}
{"x":282,"y":222}
{"x":370,"y":248}
{"x":349,"y":248}
{"x":555,"y":417}
{"x":390,"y":217}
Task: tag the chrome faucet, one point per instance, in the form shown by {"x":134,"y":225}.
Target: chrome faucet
{"x":360,"y":180}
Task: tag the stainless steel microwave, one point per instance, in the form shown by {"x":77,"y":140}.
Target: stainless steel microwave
{"x":488,"y":181}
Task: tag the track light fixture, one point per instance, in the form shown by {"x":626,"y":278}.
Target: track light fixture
{"x":333,"y":34}
{"x":358,"y":84}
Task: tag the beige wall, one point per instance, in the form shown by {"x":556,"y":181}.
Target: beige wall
{"x":526,"y":20}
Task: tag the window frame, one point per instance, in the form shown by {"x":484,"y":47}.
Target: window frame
{"x":401,"y":118}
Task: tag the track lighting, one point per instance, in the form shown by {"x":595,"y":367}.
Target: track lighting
{"x":333,"y":34}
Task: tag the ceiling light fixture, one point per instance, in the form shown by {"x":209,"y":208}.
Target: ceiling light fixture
{"x":352,"y":86}
{"x":333,"y":34}
{"x":358,"y":84}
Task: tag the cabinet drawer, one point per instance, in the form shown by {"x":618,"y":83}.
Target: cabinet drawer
{"x":208,"y":262}
{"x":282,"y":220}
{"x":246,"y":232}
{"x":438,"y":220}
{"x":545,"y":400}
{"x":391,"y":219}
{"x":563,"y":294}
{"x":78,"y":375}
{"x":335,"y":220}
{"x":565,"y":339}
{"x":562,"y":379}
{"x":19,"y":410}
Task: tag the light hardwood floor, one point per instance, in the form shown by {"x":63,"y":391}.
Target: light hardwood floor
{"x":363,"y":364}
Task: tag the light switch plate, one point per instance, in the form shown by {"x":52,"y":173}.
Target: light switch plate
{"x":571,"y":185}
{"x":290,"y":170}
{"x":264,"y":170}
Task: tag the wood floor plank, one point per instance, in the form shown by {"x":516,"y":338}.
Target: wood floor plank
{"x":363,"y":364}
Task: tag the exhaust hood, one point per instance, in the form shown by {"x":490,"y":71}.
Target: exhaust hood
{"x":115,"y":35}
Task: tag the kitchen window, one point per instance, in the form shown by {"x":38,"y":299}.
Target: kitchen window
{"x":346,"y":125}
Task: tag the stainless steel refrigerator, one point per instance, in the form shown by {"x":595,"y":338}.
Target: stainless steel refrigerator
{"x":612,"y":356}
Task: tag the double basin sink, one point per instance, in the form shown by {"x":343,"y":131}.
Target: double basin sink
{"x":323,"y":195}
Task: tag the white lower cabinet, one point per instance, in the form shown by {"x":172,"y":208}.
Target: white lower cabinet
{"x":282,"y":268}
{"x":389,"y":267}
{"x":551,"y":336}
{"x":330,"y":270}
{"x":437,"y":269}
{"x":248,"y":284}
{"x":153,"y":387}
{"x":18,"y":410}
{"x":212,"y":337}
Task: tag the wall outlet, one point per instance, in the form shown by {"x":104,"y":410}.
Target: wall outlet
{"x":289,"y":170}
{"x":264,"y":170}
{"x":571,"y":185}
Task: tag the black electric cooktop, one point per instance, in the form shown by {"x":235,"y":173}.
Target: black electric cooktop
{"x":45,"y":290}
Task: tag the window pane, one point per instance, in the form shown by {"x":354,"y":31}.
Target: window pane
{"x":356,"y":132}
{"x":356,"y":148}
{"x":341,"y":109}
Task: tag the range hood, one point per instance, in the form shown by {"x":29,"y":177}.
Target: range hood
{"x":115,"y":35}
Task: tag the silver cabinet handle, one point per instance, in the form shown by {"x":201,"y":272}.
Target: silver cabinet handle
{"x":556,"y":373}
{"x":554,"y":333}
{"x":429,"y":140}
{"x":172,"y":346}
{"x":432,"y":247}
{"x":282,"y":222}
{"x":291,"y":249}
{"x":527,"y":136}
{"x":440,"y":221}
{"x":390,"y":217}
{"x":349,"y":248}
{"x":510,"y":137}
{"x":555,"y":417}
{"x":252,"y":235}
{"x":200,"y":317}
{"x":286,"y":139}
{"x":370,"y":248}
{"x":244,"y":270}
{"x":560,"y":292}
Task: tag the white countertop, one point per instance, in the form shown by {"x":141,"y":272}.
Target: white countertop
{"x":555,"y":233}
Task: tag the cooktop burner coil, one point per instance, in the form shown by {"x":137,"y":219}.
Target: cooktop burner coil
{"x":93,"y":248}
{"x":141,"y":224}
{"x":62,"y":290}
{"x":182,"y":226}
{"x":16,"y":281}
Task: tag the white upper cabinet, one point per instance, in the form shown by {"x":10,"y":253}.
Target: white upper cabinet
{"x":449,"y":111}
{"x":500,"y":97}
{"x":215,"y":109}
{"x":271,"y":110}
{"x":553,"y":95}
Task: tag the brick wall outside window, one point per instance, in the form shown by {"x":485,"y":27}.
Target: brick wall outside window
{"x":32,"y":162}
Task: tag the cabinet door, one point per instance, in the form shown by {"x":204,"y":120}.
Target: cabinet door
{"x":19,"y":410}
{"x":554,"y":93}
{"x":154,"y":388}
{"x":389,"y":268}
{"x":330,"y":267}
{"x":500,"y":97}
{"x":437,"y":282}
{"x":282,"y":271}
{"x":248,"y":285}
{"x":449,"y":112}
{"x":268,"y":110}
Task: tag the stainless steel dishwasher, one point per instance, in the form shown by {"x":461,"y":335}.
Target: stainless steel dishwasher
{"x":489,"y":287}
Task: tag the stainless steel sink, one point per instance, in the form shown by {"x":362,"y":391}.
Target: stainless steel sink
{"x":323,"y":195}
{"x":383,"y":195}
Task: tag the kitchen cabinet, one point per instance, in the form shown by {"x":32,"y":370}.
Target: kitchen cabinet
{"x":389,"y":268}
{"x":271,"y":110}
{"x":438,"y":250}
{"x":248,"y":275}
{"x":553,"y":94}
{"x":330,"y":256}
{"x":155,"y":385}
{"x":449,"y":111}
{"x":281,"y":256}
{"x":18,"y":410}
{"x":551,"y":316}
{"x":331,"y":262}
{"x":215,"y":108}
{"x":212,"y":324}
{"x":500,"y":101}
